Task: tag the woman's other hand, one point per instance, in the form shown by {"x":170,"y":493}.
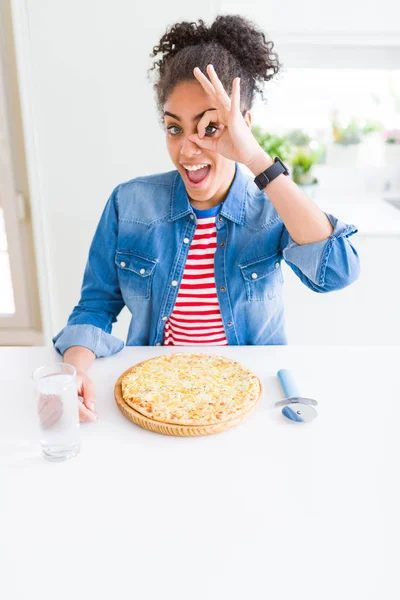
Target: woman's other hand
{"x":86,"y":393}
{"x":50,"y":406}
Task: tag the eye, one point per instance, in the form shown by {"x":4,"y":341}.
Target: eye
{"x":172,"y":127}
{"x":211,"y":127}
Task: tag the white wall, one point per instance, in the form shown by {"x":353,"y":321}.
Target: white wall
{"x":339,"y":17}
{"x":90,"y":121}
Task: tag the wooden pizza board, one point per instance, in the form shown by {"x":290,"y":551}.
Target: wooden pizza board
{"x":172,"y":428}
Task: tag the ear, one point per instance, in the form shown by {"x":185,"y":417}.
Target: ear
{"x":247,"y":118}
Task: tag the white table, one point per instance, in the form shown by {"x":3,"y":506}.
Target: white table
{"x":269,"y":509}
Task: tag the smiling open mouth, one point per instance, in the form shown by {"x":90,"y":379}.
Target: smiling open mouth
{"x":198,"y":177}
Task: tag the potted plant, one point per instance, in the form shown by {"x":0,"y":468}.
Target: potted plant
{"x":302,"y":162}
{"x":371,"y":126}
{"x":299,"y":138}
{"x":273,"y":144}
{"x":351,"y":134}
{"x":392,"y":147}
{"x":343,"y":151}
{"x":298,"y":150}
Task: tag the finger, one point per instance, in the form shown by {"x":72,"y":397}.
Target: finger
{"x":50,"y":409}
{"x":89,"y":394}
{"x":208,"y":117}
{"x":210,"y":143}
{"x":202,"y":79}
{"x":86,"y":415}
{"x":236,"y":94}
{"x":222,"y":96}
{"x":49,"y":419}
{"x":206,"y":143}
{"x":47,"y":401}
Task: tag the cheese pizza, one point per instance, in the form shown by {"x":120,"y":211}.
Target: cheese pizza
{"x":190,"y":388}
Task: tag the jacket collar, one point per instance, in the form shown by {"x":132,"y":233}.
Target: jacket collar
{"x":233,"y":206}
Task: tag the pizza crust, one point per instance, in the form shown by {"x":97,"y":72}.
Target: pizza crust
{"x":190,"y":388}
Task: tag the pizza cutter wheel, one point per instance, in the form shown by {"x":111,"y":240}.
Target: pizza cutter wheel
{"x":295,"y":407}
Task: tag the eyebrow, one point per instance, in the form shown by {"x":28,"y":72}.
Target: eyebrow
{"x":169,"y":114}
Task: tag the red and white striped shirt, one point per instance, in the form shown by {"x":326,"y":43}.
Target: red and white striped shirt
{"x":196,"y":318}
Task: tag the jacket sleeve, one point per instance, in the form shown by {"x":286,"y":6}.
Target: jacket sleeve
{"x":90,"y":322}
{"x":324,"y":266}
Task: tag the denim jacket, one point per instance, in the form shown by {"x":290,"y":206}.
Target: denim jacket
{"x":139,"y":249}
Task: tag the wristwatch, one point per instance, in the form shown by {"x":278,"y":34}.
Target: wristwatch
{"x":264,"y":178}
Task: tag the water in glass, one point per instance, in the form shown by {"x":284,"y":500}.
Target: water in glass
{"x":57,"y":404}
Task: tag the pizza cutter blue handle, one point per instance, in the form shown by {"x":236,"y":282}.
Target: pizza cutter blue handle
{"x":288,"y":384}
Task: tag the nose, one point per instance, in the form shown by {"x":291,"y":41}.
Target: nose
{"x":189,"y":148}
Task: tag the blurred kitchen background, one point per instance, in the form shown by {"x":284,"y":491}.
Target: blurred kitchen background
{"x":77,"y":117}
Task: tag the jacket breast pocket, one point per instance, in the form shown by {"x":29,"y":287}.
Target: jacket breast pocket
{"x":135,"y":273}
{"x":262,"y":277}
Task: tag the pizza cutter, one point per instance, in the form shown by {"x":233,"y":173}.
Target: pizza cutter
{"x":296,"y":408}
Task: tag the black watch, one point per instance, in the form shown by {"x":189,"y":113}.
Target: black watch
{"x":263,"y":179}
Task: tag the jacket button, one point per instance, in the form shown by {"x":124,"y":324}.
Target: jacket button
{"x":276,"y":265}
{"x":186,"y":241}
{"x":220,"y":219}
{"x":158,"y":344}
{"x":122,"y":264}
{"x":142,"y":271}
{"x":174,"y":283}
{"x":254,"y":275}
{"x":192,"y":216}
{"x":223,"y":289}
{"x":164,"y":318}
{"x":222,"y":244}
{"x":230,"y":324}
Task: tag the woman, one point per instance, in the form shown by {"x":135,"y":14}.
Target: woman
{"x":195,"y":253}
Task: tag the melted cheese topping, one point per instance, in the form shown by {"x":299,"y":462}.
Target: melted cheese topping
{"x":190,"y":389}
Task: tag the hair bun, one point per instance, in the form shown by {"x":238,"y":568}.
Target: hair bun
{"x":244,"y":40}
{"x":233,"y":44}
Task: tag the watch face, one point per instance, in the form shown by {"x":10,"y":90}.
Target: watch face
{"x":277,"y":159}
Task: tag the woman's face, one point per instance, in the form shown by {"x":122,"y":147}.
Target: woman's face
{"x":186,"y":105}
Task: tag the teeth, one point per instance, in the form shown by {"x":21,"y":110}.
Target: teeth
{"x":195,"y":167}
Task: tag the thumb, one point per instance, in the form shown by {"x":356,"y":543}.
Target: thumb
{"x":88,"y":394}
{"x":79,"y":384}
{"x":205,"y":143}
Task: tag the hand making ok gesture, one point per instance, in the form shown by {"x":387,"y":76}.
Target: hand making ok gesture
{"x":233,"y":138}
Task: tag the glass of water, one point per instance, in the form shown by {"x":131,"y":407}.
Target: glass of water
{"x":58,"y":410}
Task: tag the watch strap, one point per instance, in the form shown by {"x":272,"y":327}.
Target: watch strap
{"x":264,"y":178}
